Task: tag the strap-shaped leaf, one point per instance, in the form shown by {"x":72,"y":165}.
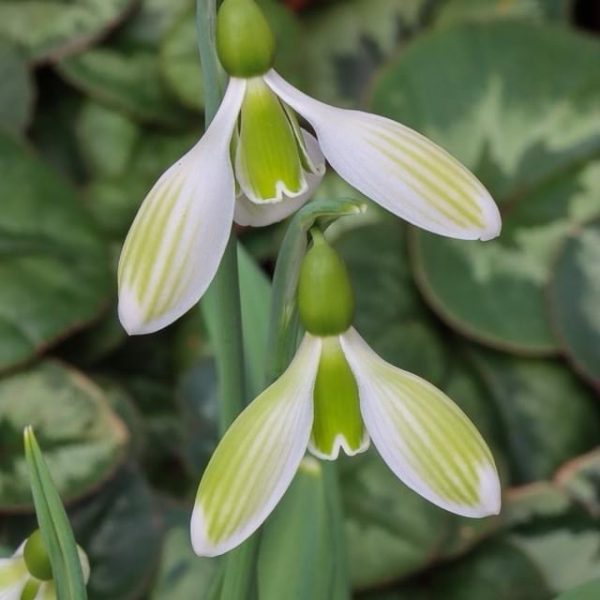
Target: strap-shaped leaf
{"x":54,"y":524}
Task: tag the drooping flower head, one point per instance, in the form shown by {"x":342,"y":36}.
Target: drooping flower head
{"x":27,"y":574}
{"x":338,"y":394}
{"x":256,"y":165}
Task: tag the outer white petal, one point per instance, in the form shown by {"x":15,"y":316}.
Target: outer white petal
{"x":176,"y":242}
{"x":13,"y":575}
{"x":46,"y":591}
{"x":398,"y":168}
{"x":425,"y":439}
{"x":257,"y":458}
{"x":258,"y":215}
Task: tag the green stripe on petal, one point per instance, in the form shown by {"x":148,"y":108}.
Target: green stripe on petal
{"x":266,"y":213}
{"x":425,"y":439}
{"x":398,"y":168}
{"x":175,"y":244}
{"x":257,"y":458}
{"x":268,"y":161}
{"x":338,"y":422}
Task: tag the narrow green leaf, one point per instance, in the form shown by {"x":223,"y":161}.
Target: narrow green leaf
{"x":255,"y":293}
{"x":54,"y":525}
{"x":295,"y":559}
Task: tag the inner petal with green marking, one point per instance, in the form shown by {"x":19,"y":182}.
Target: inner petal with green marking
{"x":337,"y":419}
{"x":271,"y":160}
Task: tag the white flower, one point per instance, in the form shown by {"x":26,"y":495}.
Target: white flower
{"x":255,"y":165}
{"x":336,"y":394}
{"x":15,"y":578}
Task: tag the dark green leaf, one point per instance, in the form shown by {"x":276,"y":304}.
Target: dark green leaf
{"x":389,"y":313}
{"x":521,"y":118}
{"x":391,"y":531}
{"x":499,"y":567}
{"x":82,"y":438}
{"x":50,"y":29}
{"x":181,"y":574}
{"x":532,"y":398}
{"x":122,"y":530}
{"x":575,"y":298}
{"x":345,"y":43}
{"x":17,"y":91}
{"x":587,"y":591}
{"x":53,"y":265}
{"x":126,"y":80}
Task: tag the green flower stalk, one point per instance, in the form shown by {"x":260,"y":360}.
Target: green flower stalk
{"x":338,"y":394}
{"x":255,"y":165}
{"x":27,"y":574}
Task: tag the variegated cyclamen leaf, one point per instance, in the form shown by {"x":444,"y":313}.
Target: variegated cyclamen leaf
{"x":257,"y":458}
{"x":176,"y":242}
{"x":425,"y":439}
{"x":398,"y":168}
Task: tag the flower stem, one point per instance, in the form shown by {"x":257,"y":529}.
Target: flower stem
{"x":221,"y":303}
{"x":206,"y":17}
{"x":222,"y":311}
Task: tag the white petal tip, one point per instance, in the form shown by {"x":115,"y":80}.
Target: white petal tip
{"x":492,"y":218}
{"x":489,"y":497}
{"x":201,"y":543}
{"x":132,"y":316}
{"x":490,"y":492}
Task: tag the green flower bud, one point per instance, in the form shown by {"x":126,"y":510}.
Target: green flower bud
{"x":325,"y":296}
{"x":36,"y":557}
{"x":245,"y":42}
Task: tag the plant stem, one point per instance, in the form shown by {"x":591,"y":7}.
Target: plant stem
{"x":222,"y":311}
{"x":206,"y":17}
{"x":221,"y":303}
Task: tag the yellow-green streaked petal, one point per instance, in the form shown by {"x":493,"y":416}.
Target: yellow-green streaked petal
{"x":175,"y":244}
{"x":85,"y":563}
{"x":398,"y":168}
{"x":266,"y":213}
{"x":46,"y":591}
{"x":268,"y":165}
{"x":257,"y":458}
{"x":309,"y":164}
{"x":13,"y":576}
{"x":425,"y":439}
{"x":337,"y":422}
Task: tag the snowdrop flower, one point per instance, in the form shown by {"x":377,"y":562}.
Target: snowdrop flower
{"x":255,"y":165}
{"x":338,"y":394}
{"x":27,"y":574}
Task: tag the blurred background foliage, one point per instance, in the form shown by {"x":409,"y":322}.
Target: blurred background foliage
{"x":98,"y":97}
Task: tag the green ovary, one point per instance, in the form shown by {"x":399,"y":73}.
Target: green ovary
{"x":269,"y":160}
{"x":337,"y":418}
